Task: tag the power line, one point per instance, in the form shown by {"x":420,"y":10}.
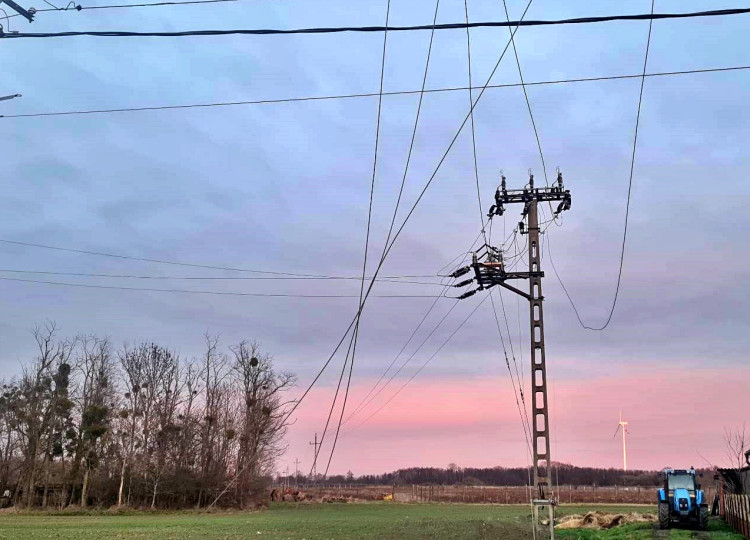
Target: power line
{"x":403,"y":224}
{"x":627,"y":203}
{"x":526,"y":97}
{"x":330,"y":411}
{"x":369,"y":29}
{"x":437,"y":168}
{"x":424,"y":365}
{"x":355,"y":334}
{"x":189,"y":265}
{"x":368,"y":94}
{"x":524,"y":418}
{"x":630,"y":179}
{"x":153,"y":4}
{"x":445,"y":154}
{"x":398,"y":201}
{"x":218,"y":293}
{"x":385,"y":279}
{"x":72,"y":6}
{"x":413,"y":133}
{"x":365,"y":401}
{"x":473,"y":129}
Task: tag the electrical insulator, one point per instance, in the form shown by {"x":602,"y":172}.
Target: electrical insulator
{"x":460,"y":272}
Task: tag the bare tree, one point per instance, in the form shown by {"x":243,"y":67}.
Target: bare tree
{"x":213,"y":375}
{"x":141,"y":426}
{"x":263,"y":423}
{"x":97,"y":372}
{"x":737,"y":445}
{"x":36,"y":403}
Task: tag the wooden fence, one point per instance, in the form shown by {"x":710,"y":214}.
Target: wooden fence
{"x":737,"y":513}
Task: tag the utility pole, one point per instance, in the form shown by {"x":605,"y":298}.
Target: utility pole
{"x":315,"y":444}
{"x":296,"y":471}
{"x":489,"y":270}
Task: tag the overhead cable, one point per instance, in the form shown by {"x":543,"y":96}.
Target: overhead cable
{"x":424,"y":365}
{"x":404,"y":222}
{"x":355,"y":334}
{"x":400,"y":195}
{"x":365,"y":400}
{"x":385,"y":279}
{"x":175,"y":263}
{"x":72,"y":6}
{"x":528,"y":101}
{"x":524,"y":418}
{"x":413,"y":133}
{"x":369,"y":29}
{"x":627,"y":204}
{"x":218,"y":293}
{"x":367,"y":94}
{"x":473,"y":128}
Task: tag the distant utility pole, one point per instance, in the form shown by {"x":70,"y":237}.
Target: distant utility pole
{"x":296,"y":471}
{"x":315,"y":444}
{"x":489,"y":270}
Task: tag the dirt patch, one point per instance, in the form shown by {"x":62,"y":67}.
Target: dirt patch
{"x":601,"y":520}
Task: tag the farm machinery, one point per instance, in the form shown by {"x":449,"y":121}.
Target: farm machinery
{"x":681,"y":500}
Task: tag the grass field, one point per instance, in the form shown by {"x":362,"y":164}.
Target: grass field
{"x":325,"y":521}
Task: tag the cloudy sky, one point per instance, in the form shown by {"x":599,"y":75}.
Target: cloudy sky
{"x":285,"y":188}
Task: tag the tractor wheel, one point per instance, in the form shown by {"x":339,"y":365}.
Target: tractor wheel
{"x":663,"y":515}
{"x":703,"y":518}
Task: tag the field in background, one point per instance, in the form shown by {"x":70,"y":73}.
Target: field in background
{"x":489,"y":494}
{"x":318,"y":521}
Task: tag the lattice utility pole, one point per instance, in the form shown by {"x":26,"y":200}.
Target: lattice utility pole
{"x":489,"y":270}
{"x":296,"y":471}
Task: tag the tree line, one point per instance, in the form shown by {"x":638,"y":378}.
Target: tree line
{"x":563,"y":474}
{"x":85,"y":423}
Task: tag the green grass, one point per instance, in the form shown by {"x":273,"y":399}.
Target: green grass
{"x":717,"y":530}
{"x":319,"y":521}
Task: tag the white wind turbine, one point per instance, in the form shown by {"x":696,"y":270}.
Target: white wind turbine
{"x":624,"y":427}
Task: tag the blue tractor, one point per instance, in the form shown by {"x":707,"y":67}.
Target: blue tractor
{"x":681,"y":500}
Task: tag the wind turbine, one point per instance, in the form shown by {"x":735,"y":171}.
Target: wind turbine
{"x":624,"y":427}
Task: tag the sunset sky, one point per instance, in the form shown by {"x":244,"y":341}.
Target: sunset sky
{"x":285,"y":188}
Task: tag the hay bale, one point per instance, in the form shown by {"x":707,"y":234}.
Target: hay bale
{"x":599,"y":520}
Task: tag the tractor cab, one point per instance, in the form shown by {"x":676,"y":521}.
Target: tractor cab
{"x":681,"y":500}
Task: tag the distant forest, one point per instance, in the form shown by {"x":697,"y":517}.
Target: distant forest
{"x":503,"y":476}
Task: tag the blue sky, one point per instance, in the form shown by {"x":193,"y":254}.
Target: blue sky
{"x":285,"y":187}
